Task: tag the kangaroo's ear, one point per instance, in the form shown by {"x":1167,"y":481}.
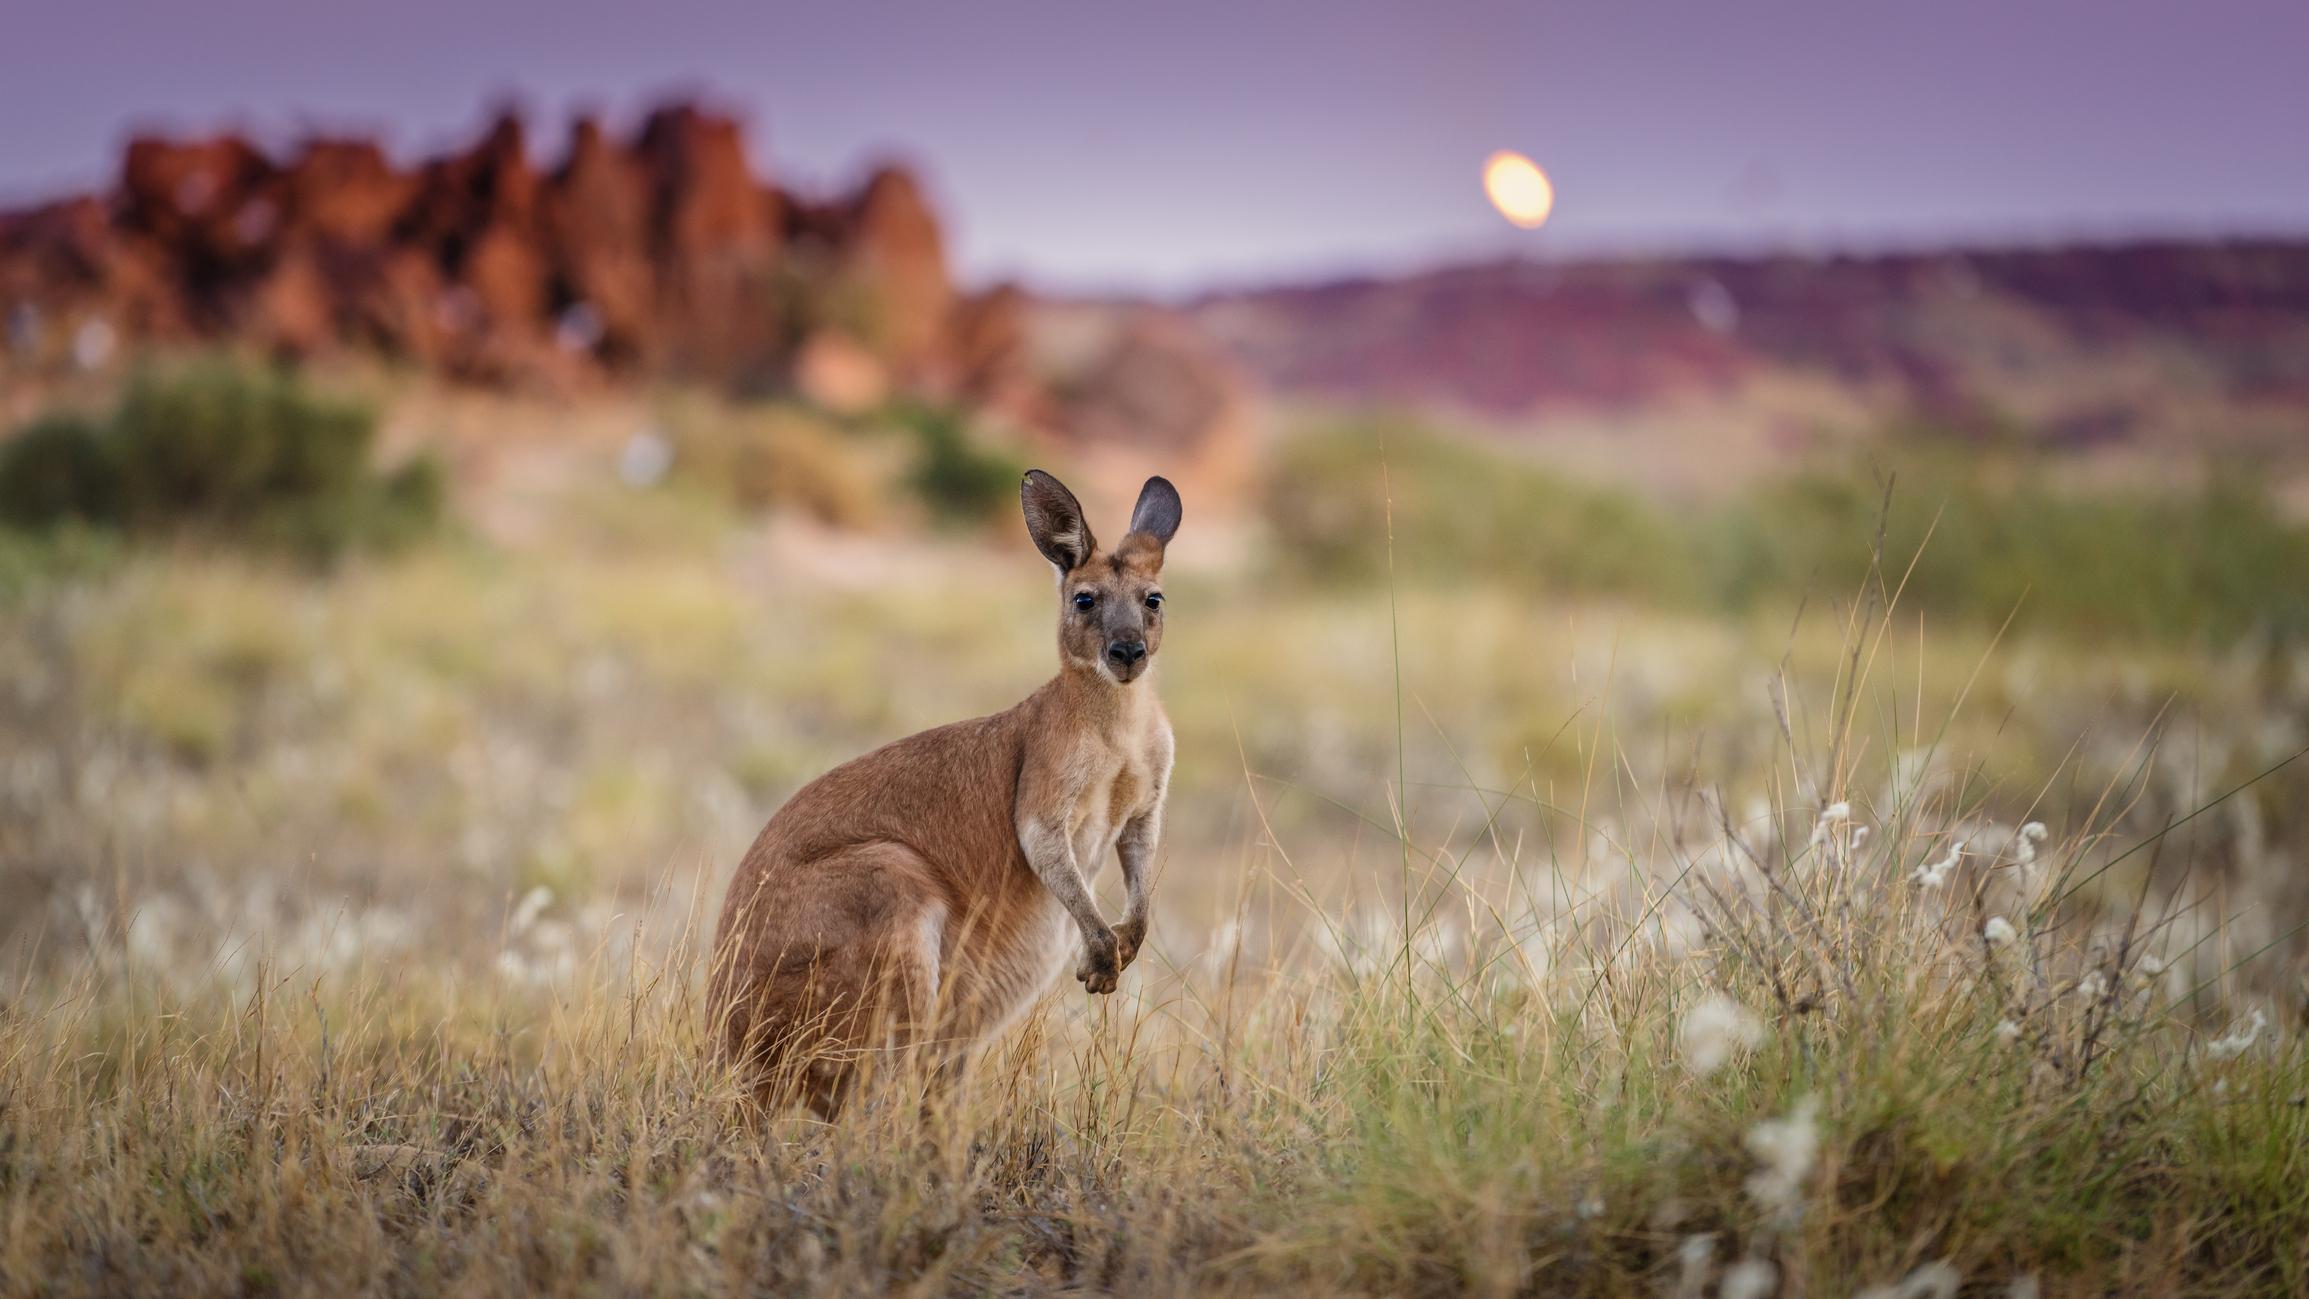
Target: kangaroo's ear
{"x":1157,"y":512}
{"x":1054,"y":519}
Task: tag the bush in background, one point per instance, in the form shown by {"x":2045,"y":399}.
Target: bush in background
{"x":1988,"y":530}
{"x":220,"y":449}
{"x":1455,"y":509}
{"x":956,"y":475}
{"x":61,"y":469}
{"x":1989,"y":534}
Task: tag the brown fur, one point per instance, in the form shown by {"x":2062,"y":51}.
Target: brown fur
{"x":925,"y":894}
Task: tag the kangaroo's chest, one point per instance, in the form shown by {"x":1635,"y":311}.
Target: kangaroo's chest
{"x":1119,"y":788}
{"x":1034,"y":943}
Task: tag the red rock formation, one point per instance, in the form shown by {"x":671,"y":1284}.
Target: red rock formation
{"x":598,"y":222}
{"x":184,"y":194}
{"x":664,"y":254}
{"x":988,"y":347}
{"x":715,"y":235}
{"x":343,"y":191}
{"x":895,"y":258}
{"x":71,"y":263}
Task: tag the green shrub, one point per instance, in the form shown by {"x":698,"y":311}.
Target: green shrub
{"x":62,"y":468}
{"x":224,"y":450}
{"x":1988,"y":530}
{"x":1457,"y":509}
{"x":1989,"y":535}
{"x":957,"y":476}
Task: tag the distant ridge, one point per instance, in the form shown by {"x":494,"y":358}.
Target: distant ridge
{"x":2089,"y":338}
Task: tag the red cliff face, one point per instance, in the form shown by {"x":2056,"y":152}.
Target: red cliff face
{"x":663,"y":255}
{"x":894,"y":246}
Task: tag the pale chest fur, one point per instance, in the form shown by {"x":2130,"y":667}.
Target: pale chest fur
{"x":1121,"y":784}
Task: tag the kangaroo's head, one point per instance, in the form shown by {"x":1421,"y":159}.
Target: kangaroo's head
{"x":1110,"y":602}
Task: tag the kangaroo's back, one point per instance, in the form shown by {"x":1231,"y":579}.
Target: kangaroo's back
{"x":945,"y":793}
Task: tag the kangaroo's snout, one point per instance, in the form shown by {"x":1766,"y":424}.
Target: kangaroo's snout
{"x":1125,"y":654}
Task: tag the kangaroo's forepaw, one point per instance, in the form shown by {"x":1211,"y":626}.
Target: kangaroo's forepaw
{"x":1101,"y":967}
{"x":1129,"y":936}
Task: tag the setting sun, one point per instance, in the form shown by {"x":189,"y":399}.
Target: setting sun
{"x":1518,"y":188}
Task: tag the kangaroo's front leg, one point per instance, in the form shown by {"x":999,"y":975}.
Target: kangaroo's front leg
{"x":1051,"y":853}
{"x":1136,"y":847}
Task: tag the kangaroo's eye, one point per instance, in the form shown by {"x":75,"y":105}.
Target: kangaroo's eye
{"x":1154,"y":599}
{"x":1084,"y":599}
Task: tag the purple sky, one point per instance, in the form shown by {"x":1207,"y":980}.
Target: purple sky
{"x":1168,"y":145}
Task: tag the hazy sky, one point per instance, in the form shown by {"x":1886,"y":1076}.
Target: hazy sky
{"x":1084,"y":143}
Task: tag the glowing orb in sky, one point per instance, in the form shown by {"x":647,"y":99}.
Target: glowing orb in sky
{"x":1518,"y":188}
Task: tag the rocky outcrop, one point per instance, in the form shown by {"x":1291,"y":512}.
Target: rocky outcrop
{"x":663,"y":254}
{"x":714,"y":237}
{"x":893,"y":251}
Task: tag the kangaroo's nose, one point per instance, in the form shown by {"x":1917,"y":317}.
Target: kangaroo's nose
{"x":1123,"y":653}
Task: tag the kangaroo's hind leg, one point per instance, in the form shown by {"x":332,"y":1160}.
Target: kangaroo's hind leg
{"x":838,"y":974}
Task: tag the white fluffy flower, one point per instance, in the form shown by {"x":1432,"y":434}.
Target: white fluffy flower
{"x":1831,"y":816}
{"x":2024,"y":843}
{"x":1933,"y":874}
{"x":2007,"y":1032}
{"x":1998,"y":931}
{"x":532,"y":905}
{"x":1931,"y":1281}
{"x":1786,"y":1147}
{"x":1750,"y":1278}
{"x":1715,"y":1031}
{"x":1693,"y":1258}
{"x":2239,"y":1040}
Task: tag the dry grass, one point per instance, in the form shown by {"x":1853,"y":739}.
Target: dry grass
{"x":1799,"y":1058}
{"x":352,"y":946}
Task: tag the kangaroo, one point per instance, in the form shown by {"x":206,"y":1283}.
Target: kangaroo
{"x":925,"y":895}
